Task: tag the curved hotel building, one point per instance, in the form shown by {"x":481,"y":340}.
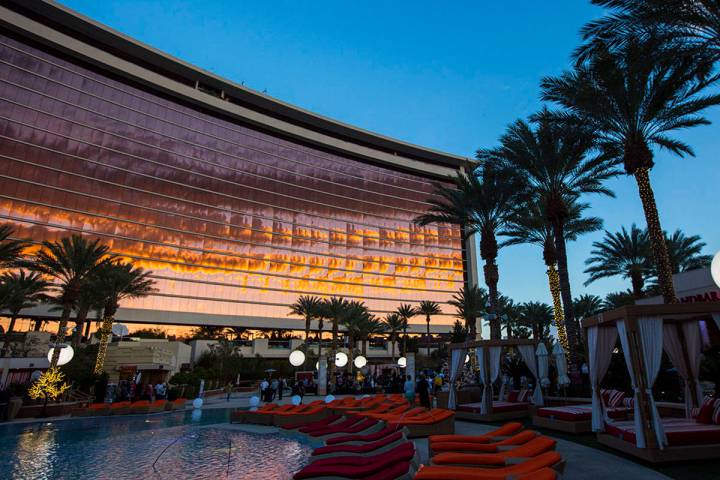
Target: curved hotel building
{"x":237,"y":202}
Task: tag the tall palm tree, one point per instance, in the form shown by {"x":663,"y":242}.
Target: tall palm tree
{"x":509,"y":314}
{"x":428,"y":308}
{"x":89,"y":299}
{"x":67,"y":263}
{"x":470,"y":304}
{"x":634,"y":96}
{"x":393,"y":324}
{"x":10,"y":249}
{"x":538,"y":316}
{"x":479,"y":202}
{"x":587,"y":305}
{"x":406,"y":312}
{"x":370,"y":326}
{"x":118,"y":281}
{"x":692,"y":27}
{"x":685,"y":252}
{"x":623,"y":253}
{"x":353,"y":319}
{"x":615,"y":300}
{"x":19,"y":291}
{"x":334,"y":309}
{"x":307,"y":307}
{"x":530,"y":225}
{"x":558,"y":165}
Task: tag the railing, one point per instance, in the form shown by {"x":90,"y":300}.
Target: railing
{"x":279,"y":344}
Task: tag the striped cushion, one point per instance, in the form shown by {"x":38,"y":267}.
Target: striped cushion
{"x":615,"y":399}
{"x":629,"y":402}
{"x":524,"y":395}
{"x":707,"y":409}
{"x":605,"y":395}
{"x":716,"y":414}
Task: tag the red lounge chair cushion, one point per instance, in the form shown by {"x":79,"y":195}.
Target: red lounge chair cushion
{"x":529,"y":466}
{"x":348,"y":422}
{"x":368,"y":437}
{"x":320,"y":423}
{"x":362,"y":448}
{"x":679,"y":431}
{"x":98,"y":406}
{"x":358,"y":467}
{"x":508,"y":429}
{"x":464,"y":446}
{"x":533,"y":448}
{"x":513,"y":396}
{"x":436,"y":415}
{"x":356,"y":427}
{"x":707,"y":409}
{"x":119,"y":404}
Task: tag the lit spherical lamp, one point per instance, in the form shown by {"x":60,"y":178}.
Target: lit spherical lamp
{"x":715,"y":269}
{"x":66,"y":353}
{"x":297,"y":358}
{"x":467,"y":358}
{"x":341,"y":359}
{"x":360,"y":361}
{"x":402,"y":362}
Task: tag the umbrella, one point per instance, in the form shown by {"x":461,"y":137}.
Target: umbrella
{"x":542,"y":359}
{"x":561,"y":365}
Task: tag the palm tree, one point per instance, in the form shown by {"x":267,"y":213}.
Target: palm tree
{"x":480,"y":201}
{"x":587,"y":305}
{"x":354,"y":316}
{"x":538,"y":316}
{"x":619,"y":299}
{"x":370,"y":326}
{"x":19,"y":291}
{"x":205,"y":332}
{"x":623,"y":253}
{"x":307,"y":307}
{"x":334,"y":309}
{"x":685,"y":252}
{"x":406,"y":312}
{"x":690,"y":26}
{"x":89,"y":300}
{"x":470,"y":304}
{"x":393,"y":324}
{"x":428,"y":308}
{"x":68,"y":263}
{"x":633,"y":97}
{"x":10,"y":249}
{"x":557,"y":163}
{"x":118,"y":281}
{"x":530,"y":225}
{"x":509,"y":314}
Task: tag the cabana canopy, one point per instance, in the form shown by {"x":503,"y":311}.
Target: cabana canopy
{"x":488,"y":354}
{"x":644,"y":331}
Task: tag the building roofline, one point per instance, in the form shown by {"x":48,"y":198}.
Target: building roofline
{"x":103,"y":37}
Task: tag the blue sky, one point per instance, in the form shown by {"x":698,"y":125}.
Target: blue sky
{"x":446,"y":75}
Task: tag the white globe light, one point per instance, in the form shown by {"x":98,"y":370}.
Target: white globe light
{"x":341,"y":359}
{"x":317,"y":365}
{"x":329,"y":398}
{"x":196,"y":415}
{"x":467,"y":358}
{"x":402,"y":362}
{"x":297,"y":358}
{"x":197,"y":403}
{"x":360,"y":361}
{"x":715,"y":269}
{"x":66,"y":353}
{"x":254,"y":401}
{"x":296,"y":400}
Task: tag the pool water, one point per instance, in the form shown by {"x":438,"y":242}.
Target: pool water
{"x":166,"y":446}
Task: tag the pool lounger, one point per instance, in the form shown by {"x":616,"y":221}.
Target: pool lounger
{"x":388,"y":442}
{"x":506,"y":456}
{"x":530,"y":467}
{"x":521,"y":438}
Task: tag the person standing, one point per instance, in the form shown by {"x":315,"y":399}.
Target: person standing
{"x":228,"y":391}
{"x":273,"y":388}
{"x":264,"y":386}
{"x":281,"y":386}
{"x":423,"y":391}
{"x":409,"y":388}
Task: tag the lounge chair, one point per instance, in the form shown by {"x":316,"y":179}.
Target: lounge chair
{"x":529,"y":466}
{"x":398,"y":463}
{"x":437,"y":420}
{"x":521,"y":438}
{"x":506,"y":430}
{"x":361,"y":439}
{"x":242,"y":416}
{"x":392,"y":415}
{"x":531,"y":449}
{"x":345,"y":422}
{"x":331,"y":418}
{"x":388,"y":442}
{"x":305,"y":416}
{"x":120,"y":408}
{"x":364,"y":426}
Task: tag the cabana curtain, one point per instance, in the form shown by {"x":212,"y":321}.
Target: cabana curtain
{"x":673,"y":347}
{"x":542,"y":359}
{"x":488,"y":377}
{"x":651,"y":335}
{"x":601,"y":342}
{"x":456,"y":362}
{"x":527,"y":352}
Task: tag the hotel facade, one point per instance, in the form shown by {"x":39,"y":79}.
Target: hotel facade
{"x":237,"y":202}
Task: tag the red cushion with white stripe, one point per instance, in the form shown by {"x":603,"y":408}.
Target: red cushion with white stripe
{"x":706,"y":410}
{"x":615,"y":399}
{"x":716,"y":414}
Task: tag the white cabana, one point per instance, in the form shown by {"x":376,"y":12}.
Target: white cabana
{"x":600,"y":342}
{"x":457,"y":360}
{"x":527,"y":352}
{"x":488,"y":359}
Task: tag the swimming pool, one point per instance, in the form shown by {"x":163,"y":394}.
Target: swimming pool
{"x":165,"y":446}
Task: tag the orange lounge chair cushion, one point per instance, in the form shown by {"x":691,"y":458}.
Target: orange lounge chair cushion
{"x":529,"y":466}
{"x":531,"y":449}
{"x":519,"y":439}
{"x":119,"y":404}
{"x":98,"y":406}
{"x":507,"y":429}
{"x":434,"y":416}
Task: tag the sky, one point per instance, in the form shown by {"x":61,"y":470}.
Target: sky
{"x":445,"y":75}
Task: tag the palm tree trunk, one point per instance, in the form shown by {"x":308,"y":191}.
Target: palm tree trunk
{"x":638,"y":282}
{"x":307,"y":336}
{"x":38,"y":325}
{"x":554,"y":281}
{"x":509,"y":329}
{"x":67,"y":308}
{"x":87,"y":330}
{"x":79,"y":324}
{"x":105,"y":330}
{"x":657,"y":238}
{"x":320,"y":329}
{"x":333,"y":349}
{"x":392,"y":347}
{"x":565,"y":292}
{"x":492,"y":277}
{"x":427,"y":319}
{"x":10,"y":329}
